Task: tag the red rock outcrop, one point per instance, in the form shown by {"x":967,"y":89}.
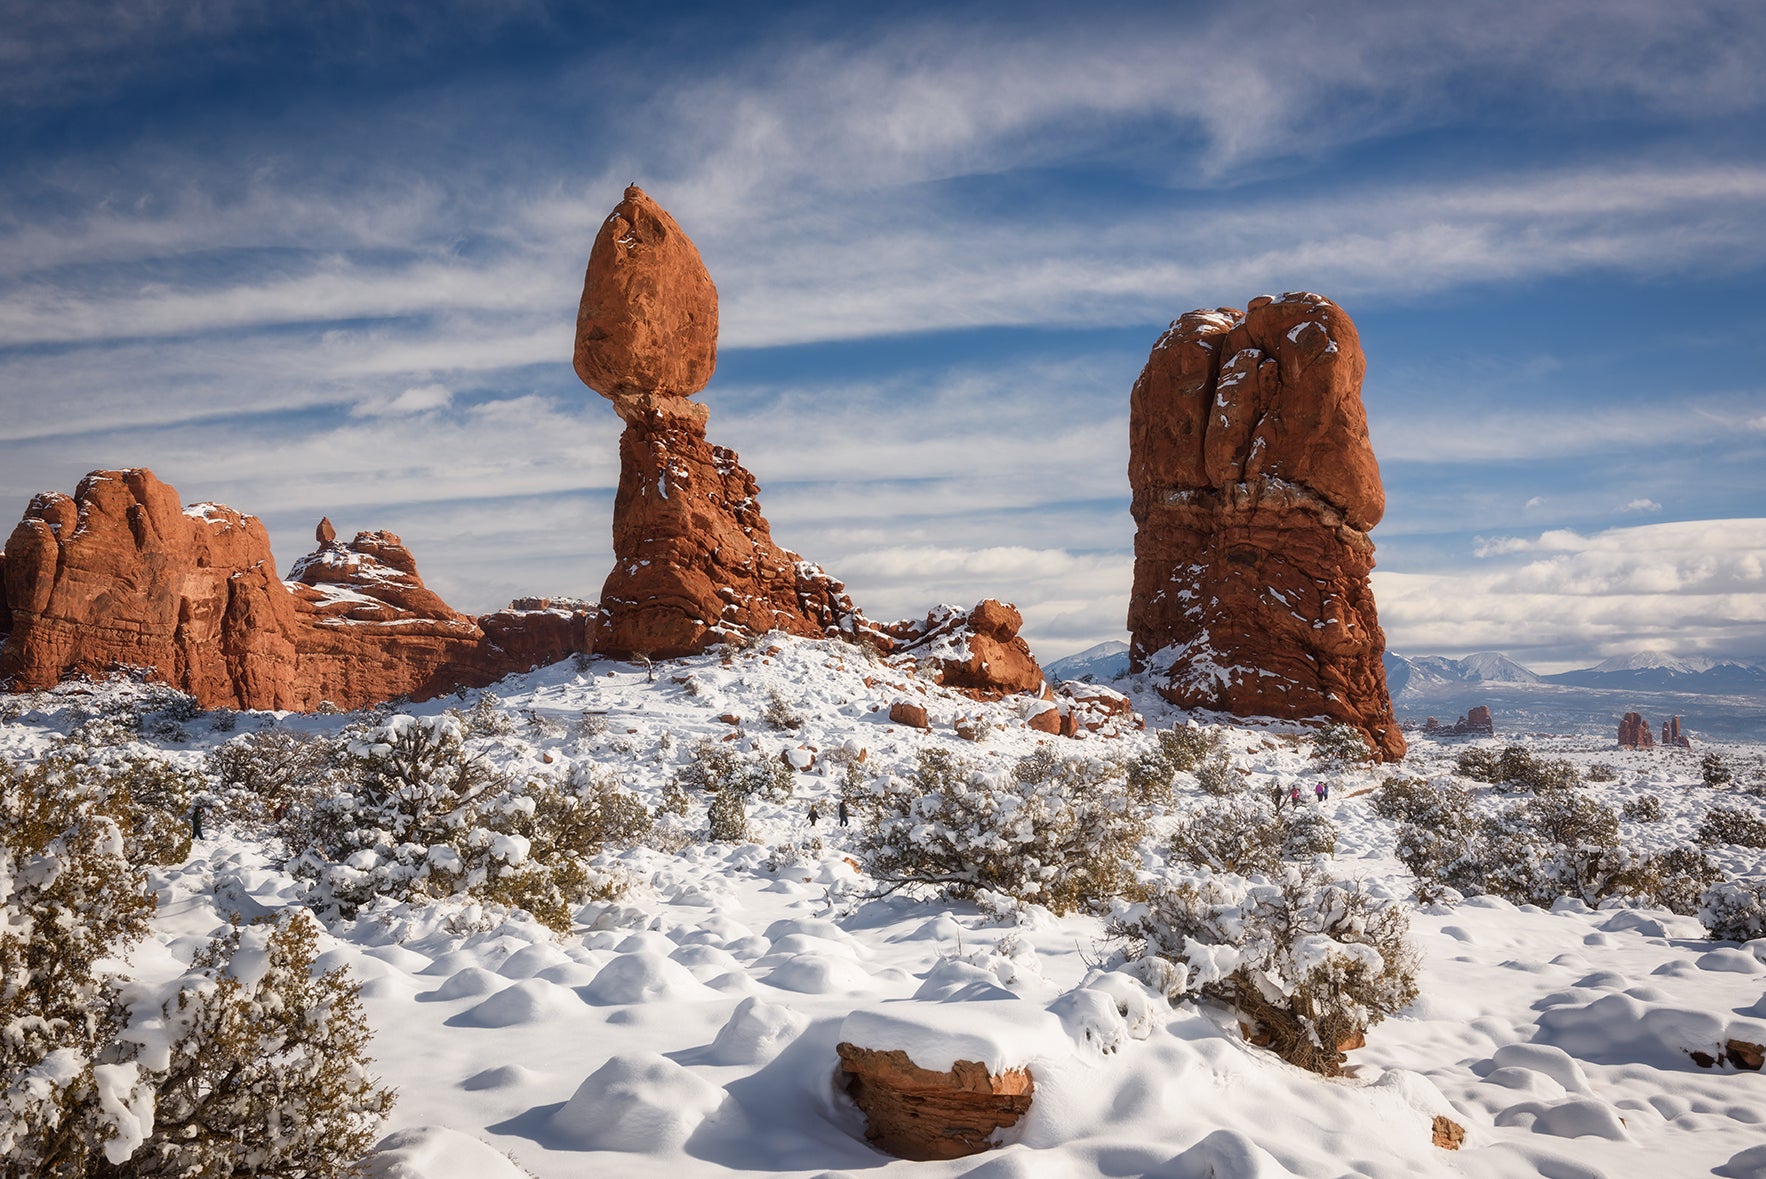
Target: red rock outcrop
{"x":915,"y":1113}
{"x":120,"y":576}
{"x":694,"y":558}
{"x":1672,"y":737}
{"x":5,"y":610}
{"x":1254,"y":489}
{"x":1634,"y":732}
{"x":977,"y":650}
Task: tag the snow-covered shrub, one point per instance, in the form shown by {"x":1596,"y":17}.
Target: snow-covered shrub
{"x":1714,"y":770}
{"x":1518,"y":770}
{"x":1251,"y":834}
{"x":1732,"y":825}
{"x":255,"y":1068}
{"x":151,"y":795}
{"x":1411,"y":800}
{"x":1153,"y":772}
{"x":421,"y":815}
{"x":1600,"y":771}
{"x":718,"y":767}
{"x":486,"y":717}
{"x":261,"y":1068}
{"x":1645,"y":808}
{"x":779,"y":714}
{"x":69,"y":898}
{"x":271,"y":771}
{"x":1216,"y":776}
{"x":591,"y":725}
{"x":1677,"y":880}
{"x":1480,"y":765}
{"x":1338,"y":745}
{"x":1055,"y":832}
{"x":1557,"y":844}
{"x":727,"y":817}
{"x":1308,"y":961}
{"x":1735,"y":911}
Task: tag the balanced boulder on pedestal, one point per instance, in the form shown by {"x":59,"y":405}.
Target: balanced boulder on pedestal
{"x":694,"y":560}
{"x":1254,"y":489}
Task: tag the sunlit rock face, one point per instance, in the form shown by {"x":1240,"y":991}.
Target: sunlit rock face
{"x":694,"y":558}
{"x":120,"y":576}
{"x":1254,"y":490}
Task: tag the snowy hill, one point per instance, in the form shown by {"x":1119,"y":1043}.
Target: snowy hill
{"x":688,"y":1025}
{"x":1099,"y":664}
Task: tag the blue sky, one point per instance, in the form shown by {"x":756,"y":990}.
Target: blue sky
{"x":323,"y":259}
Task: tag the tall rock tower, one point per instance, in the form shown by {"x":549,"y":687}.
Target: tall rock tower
{"x":1255,"y":488}
{"x":694,"y":559}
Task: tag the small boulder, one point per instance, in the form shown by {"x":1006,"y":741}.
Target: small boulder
{"x":916,"y":1113}
{"x":1447,"y":1133}
{"x":913,"y":715}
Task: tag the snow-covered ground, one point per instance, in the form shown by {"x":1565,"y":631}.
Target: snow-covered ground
{"x":688,"y":1028}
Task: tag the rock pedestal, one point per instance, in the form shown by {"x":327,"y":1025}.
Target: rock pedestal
{"x":918,"y":1114}
{"x":1254,"y":490}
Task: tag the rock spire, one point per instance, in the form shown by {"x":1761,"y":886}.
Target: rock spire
{"x":1254,"y":489}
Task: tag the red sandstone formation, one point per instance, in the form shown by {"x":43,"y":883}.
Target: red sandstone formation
{"x":120,"y":576}
{"x":647,"y":324}
{"x":5,"y":610}
{"x":915,"y":1113}
{"x":976,"y":650}
{"x":1672,"y":737}
{"x":694,"y":558}
{"x":1634,"y":732}
{"x":1254,"y":489}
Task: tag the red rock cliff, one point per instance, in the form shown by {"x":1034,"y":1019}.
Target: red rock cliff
{"x":119,"y":575}
{"x":1254,"y":489}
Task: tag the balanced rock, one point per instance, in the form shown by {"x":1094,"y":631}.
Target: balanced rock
{"x":119,"y":576}
{"x":1254,"y":490}
{"x":647,"y":324}
{"x":1634,"y":732}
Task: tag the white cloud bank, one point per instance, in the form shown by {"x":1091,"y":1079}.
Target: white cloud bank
{"x":1565,"y":599}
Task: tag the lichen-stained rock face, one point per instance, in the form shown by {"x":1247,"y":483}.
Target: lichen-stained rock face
{"x":120,"y":576}
{"x":916,"y":1113}
{"x":647,"y":324}
{"x":694,"y":558}
{"x":1254,"y":489}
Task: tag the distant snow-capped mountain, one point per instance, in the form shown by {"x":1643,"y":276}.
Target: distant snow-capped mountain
{"x":1660,"y":671}
{"x":1484,"y":667}
{"x":1656,"y":671}
{"x":1100,"y":664}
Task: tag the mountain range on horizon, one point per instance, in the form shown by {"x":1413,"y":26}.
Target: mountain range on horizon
{"x":1640,"y":670}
